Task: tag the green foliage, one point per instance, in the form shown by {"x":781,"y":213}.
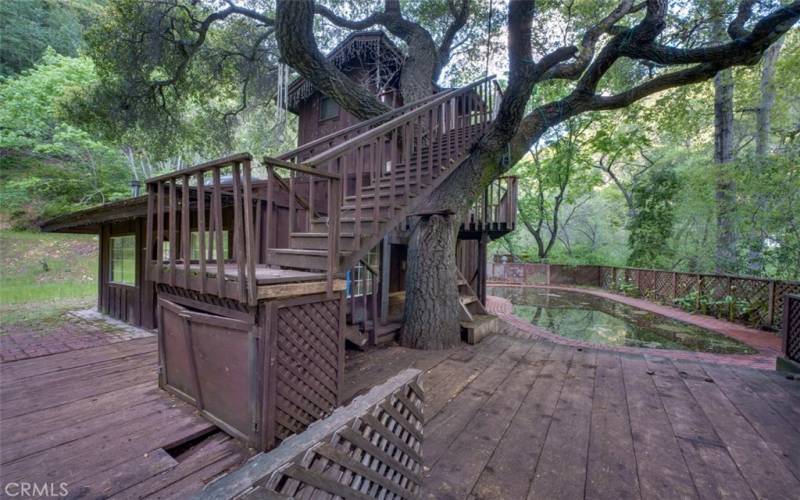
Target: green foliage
{"x":651,"y":225}
{"x":48,"y":165}
{"x":28,"y":27}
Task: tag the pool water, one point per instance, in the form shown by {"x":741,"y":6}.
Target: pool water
{"x":582,"y":316}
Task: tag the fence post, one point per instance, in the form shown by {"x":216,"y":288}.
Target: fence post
{"x":548,"y":273}
{"x":699,"y":289}
{"x":674,"y":286}
{"x":771,"y":304}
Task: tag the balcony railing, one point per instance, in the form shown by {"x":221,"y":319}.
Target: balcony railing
{"x":205,"y":230}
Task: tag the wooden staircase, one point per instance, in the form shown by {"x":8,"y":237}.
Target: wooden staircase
{"x":344,"y":193}
{"x":386,"y":172}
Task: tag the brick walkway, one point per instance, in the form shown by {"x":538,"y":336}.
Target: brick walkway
{"x":767,"y":344}
{"x":70,"y":333}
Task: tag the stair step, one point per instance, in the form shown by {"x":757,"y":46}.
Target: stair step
{"x":300,"y":259}
{"x":481,"y":326}
{"x":348,"y":224}
{"x":319,"y":241}
{"x":354,"y":336}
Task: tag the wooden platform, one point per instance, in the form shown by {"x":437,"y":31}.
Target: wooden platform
{"x":264,"y":275}
{"x":96,"y":419}
{"x":507,"y":418}
{"x":513,"y":418}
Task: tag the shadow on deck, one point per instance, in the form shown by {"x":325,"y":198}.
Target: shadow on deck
{"x":508,"y":418}
{"x":514,"y":418}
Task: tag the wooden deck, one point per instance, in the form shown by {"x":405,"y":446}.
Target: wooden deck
{"x":512,"y":418}
{"x":96,"y":419}
{"x":508,"y":418}
{"x":264,"y":275}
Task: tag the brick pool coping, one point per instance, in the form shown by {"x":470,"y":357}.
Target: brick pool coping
{"x":767,"y":344}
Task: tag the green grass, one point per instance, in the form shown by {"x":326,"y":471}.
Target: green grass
{"x":28,"y":292}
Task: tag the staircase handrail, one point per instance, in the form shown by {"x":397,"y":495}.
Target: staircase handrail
{"x":363,"y":138}
{"x":360,"y":125}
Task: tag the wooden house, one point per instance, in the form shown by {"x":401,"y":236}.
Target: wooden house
{"x":255,"y":270}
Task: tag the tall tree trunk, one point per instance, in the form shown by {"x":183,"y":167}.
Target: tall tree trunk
{"x":431,"y":311}
{"x":726,"y":187}
{"x":755,"y":247}
{"x":725,"y":195}
{"x":767,"y":87}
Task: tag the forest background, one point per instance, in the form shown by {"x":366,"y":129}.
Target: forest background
{"x":638,"y":187}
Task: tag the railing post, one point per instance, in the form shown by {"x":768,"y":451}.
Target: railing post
{"x":238,"y":232}
{"x":216,"y":208}
{"x":148,"y":246}
{"x":201,"y":229}
{"x":771,"y":304}
{"x":249,"y":237}
{"x":159,"y":229}
{"x":333,"y":232}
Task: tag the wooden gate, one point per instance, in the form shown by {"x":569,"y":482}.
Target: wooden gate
{"x":211,"y":362}
{"x":259,"y":377}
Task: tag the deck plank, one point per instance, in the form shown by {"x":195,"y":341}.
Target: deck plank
{"x":561,"y":469}
{"x":611,"y":471}
{"x":14,"y":372}
{"x":449,"y":379}
{"x":96,"y":419}
{"x":714,"y":472}
{"x":461,"y":466}
{"x":776,"y":430}
{"x":660,"y":465}
{"x":445,"y":426}
{"x":510,"y":470}
{"x":764,"y":471}
{"x":191,"y":468}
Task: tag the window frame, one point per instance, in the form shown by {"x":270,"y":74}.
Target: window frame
{"x":322,"y":101}
{"x":111,"y":260}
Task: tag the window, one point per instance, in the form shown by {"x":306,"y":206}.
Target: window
{"x":123,"y":260}
{"x":328,"y":109}
{"x":211,"y":246}
{"x":360,"y":280}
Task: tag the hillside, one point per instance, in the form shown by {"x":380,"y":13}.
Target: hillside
{"x":56,"y":270}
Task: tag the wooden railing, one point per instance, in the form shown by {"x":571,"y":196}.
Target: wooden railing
{"x":317,"y":146}
{"x":221,"y":203}
{"x":386,"y":166}
{"x":496,"y":209}
{"x":371,"y":448}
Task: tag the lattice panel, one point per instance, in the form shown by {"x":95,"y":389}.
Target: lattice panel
{"x":715,"y":287}
{"x":781,"y":289}
{"x":307,"y":365}
{"x":686,"y":284}
{"x":755,"y":294}
{"x":662,"y":285}
{"x":203,"y":297}
{"x":376,"y":455}
{"x":792,"y":328}
{"x":607,"y":277}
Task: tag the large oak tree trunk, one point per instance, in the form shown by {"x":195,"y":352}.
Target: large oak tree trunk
{"x":431,"y":314}
{"x":726,"y":188}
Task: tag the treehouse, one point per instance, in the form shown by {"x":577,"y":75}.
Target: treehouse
{"x":255,"y":270}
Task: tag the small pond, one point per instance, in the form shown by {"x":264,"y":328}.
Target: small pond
{"x":585,"y":317}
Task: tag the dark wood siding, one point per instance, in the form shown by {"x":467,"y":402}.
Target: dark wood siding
{"x":131,"y":304}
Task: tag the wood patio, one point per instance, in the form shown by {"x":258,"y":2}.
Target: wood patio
{"x":507,"y":418}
